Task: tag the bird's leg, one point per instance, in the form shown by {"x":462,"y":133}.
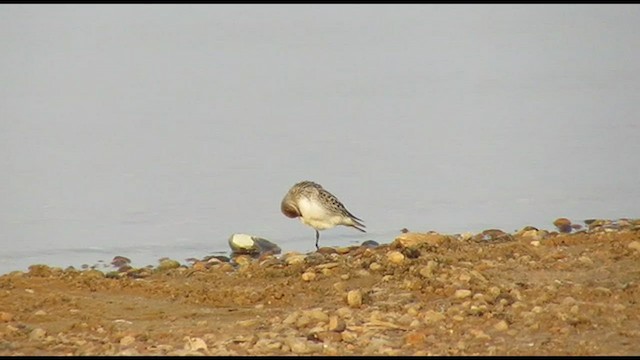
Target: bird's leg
{"x":317,"y":237}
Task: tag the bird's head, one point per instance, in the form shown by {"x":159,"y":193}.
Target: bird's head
{"x":289,"y":208}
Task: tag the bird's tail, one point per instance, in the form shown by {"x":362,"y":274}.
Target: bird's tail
{"x":357,"y":223}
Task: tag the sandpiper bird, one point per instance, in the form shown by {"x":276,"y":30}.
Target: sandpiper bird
{"x":317,"y":208}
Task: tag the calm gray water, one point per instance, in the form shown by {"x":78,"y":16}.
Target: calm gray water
{"x":160,"y":130}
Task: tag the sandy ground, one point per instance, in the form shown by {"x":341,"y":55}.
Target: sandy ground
{"x":526,"y":293}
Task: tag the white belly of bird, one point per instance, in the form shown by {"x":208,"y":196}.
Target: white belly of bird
{"x":317,"y":216}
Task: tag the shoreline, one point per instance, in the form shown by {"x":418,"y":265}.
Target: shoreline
{"x":530,"y":292}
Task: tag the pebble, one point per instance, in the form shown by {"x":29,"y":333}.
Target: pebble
{"x":128,"y":352}
{"x":415,"y":338}
{"x":462,"y":294}
{"x":501,"y":325}
{"x":362,"y":273}
{"x":248,"y":322}
{"x":466,"y":236}
{"x":431,"y":317}
{"x":317,"y":314}
{"x":299,"y":345}
{"x":492,"y":235}
{"x":266,"y":247}
{"x":309,"y":276}
{"x":530,"y":233}
{"x":127,"y":340}
{"x":585,"y":260}
{"x":634,"y":245}
{"x":291,"y":318}
{"x":370,"y":244}
{"x":37,"y":334}
{"x":167,"y":264}
{"x":428,"y":270}
{"x":344,"y":312}
{"x":336,"y":324}
{"x":343,"y":250}
{"x":5,"y":316}
{"x":242,"y":260}
{"x":412,"y":240}
{"x":243,"y":244}
{"x":479,"y":334}
{"x":563,"y":225}
{"x":303,"y":321}
{"x":195,"y":344}
{"x":328,"y":336}
{"x":39,"y":270}
{"x":395,"y":257}
{"x":349,"y":336}
{"x":119,"y":261}
{"x":354,"y":298}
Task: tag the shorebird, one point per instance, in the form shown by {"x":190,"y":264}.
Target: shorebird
{"x":318,"y":208}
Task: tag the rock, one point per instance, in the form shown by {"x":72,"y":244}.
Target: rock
{"x":242,"y":260}
{"x":300,"y":345}
{"x":119,"y":261}
{"x":40,"y":270}
{"x":291,"y":318}
{"x":479,"y":334}
{"x":415,"y":338}
{"x":596,"y":224}
{"x":370,"y":244}
{"x":127,"y":340}
{"x":317,"y":314}
{"x":349,"y":336}
{"x":428,"y":270}
{"x":501,"y":326}
{"x":345,"y":312}
{"x":128,"y":352}
{"x":167,"y":264}
{"x":634,"y":245}
{"x":413,"y":240}
{"x":195,"y":344}
{"x":431,"y":317}
{"x":563,"y":225}
{"x":336,"y":324}
{"x":5,"y":316}
{"x":395,"y":257}
{"x":328,"y":336}
{"x":354,"y":298}
{"x":37,"y":334}
{"x":530,"y":233}
{"x":585,"y":260}
{"x":267,"y":246}
{"x":466,"y":236}
{"x":308,"y":276}
{"x":325,"y":250}
{"x":93,"y":274}
{"x":293,"y":258}
{"x":494,"y":235}
{"x":247,"y":244}
{"x":462,"y":294}
{"x":243,"y":244}
{"x":302,"y":321}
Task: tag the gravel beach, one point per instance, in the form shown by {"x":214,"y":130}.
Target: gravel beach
{"x":573,"y":291}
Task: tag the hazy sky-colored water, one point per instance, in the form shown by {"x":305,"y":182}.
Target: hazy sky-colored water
{"x":160,"y":130}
